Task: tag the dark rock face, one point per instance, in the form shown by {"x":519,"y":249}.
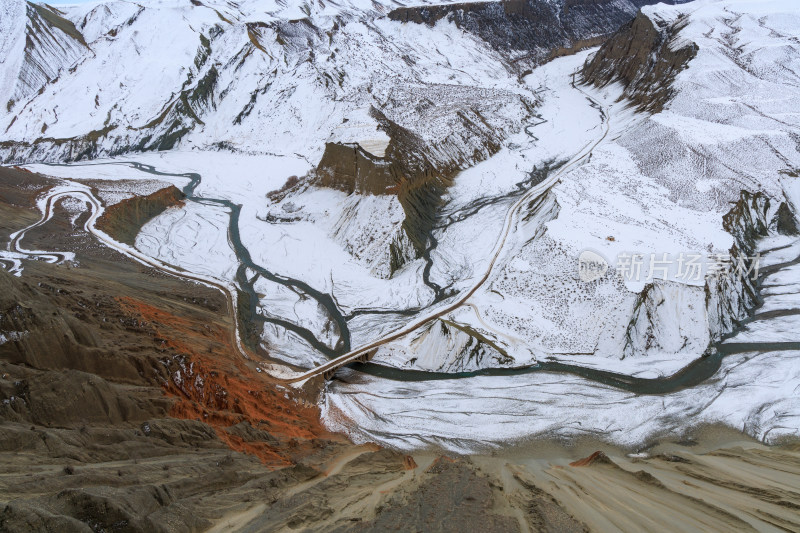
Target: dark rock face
{"x":124,"y":220}
{"x":639,"y":56}
{"x":419,"y":186}
{"x":72,"y":148}
{"x":44,"y":18}
{"x":785,"y":220}
{"x":532,"y":31}
{"x":351,"y":169}
{"x":748,"y":220}
{"x":731,"y":298}
{"x":51,"y":42}
{"x":418,"y":171}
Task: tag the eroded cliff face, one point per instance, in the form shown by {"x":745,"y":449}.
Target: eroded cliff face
{"x":645,"y":56}
{"x":417,"y":184}
{"x":660,"y":322}
{"x":662,"y":318}
{"x":531,"y":31}
{"x":350,"y":168}
{"x":122,"y":221}
{"x":729,"y":299}
{"x":51,"y":43}
{"x":430,"y":139}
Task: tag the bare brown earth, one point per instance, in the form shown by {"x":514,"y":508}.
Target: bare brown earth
{"x":124,"y":220}
{"x":639,"y":55}
{"x":123,"y":407}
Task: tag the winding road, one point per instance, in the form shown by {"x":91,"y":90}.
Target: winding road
{"x":693,"y":374}
{"x":79,"y":191}
{"x":363,"y":353}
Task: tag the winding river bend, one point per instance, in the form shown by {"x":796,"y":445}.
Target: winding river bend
{"x":342,"y":353}
{"x":694,"y":373}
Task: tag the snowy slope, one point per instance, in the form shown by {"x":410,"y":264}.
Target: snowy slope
{"x":37,"y":45}
{"x":663,"y":183}
{"x":254,"y":76}
{"x":252,"y":96}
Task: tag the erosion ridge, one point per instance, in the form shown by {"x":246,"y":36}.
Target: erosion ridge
{"x":123,"y":220}
{"x":645,"y":56}
{"x":51,"y":43}
{"x":728,"y":300}
{"x":156,"y":386}
{"x":530,"y":31}
{"x":407,"y":171}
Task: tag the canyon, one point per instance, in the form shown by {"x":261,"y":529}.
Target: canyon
{"x":323,"y":258}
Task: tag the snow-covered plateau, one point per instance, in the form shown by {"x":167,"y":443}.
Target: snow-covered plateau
{"x":355,"y":167}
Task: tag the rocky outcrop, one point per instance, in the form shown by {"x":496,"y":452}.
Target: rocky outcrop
{"x":644,"y":57}
{"x":597,"y":458}
{"x":448,"y":346}
{"x":785,"y":221}
{"x":66,"y":148}
{"x":350,"y":168}
{"x":404,"y":171}
{"x":660,"y":321}
{"x":730,"y":298}
{"x":431,"y":138}
{"x":122,"y":221}
{"x":529,"y":32}
{"x":748,"y":220}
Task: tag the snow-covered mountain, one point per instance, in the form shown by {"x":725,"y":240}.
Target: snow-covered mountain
{"x":703,"y":157}
{"x":352,"y":167}
{"x":267,"y":77}
{"x":38,"y":44}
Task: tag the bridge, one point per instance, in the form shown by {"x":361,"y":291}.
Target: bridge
{"x":361,"y":354}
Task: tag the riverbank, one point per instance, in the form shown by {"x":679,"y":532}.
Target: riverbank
{"x":125,"y":405}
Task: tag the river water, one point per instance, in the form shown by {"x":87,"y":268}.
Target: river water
{"x":695,"y":373}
